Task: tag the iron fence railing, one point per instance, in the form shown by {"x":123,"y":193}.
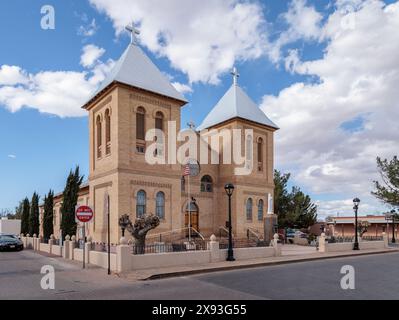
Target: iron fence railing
{"x":169,"y":247}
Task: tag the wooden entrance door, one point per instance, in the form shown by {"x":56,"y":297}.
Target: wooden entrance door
{"x":194,"y":220}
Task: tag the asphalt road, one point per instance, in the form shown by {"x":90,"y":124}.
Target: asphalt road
{"x":376,"y":277}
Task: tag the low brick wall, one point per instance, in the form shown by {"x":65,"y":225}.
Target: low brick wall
{"x":324,"y":246}
{"x":123,"y":260}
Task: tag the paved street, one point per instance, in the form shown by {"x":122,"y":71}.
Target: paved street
{"x":377,"y":277}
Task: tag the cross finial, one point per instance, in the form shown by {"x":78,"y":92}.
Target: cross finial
{"x":133,"y":33}
{"x":191,"y":125}
{"x":235,"y":75}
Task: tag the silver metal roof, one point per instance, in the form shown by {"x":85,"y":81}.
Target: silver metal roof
{"x":236,"y":104}
{"x":135,"y":68}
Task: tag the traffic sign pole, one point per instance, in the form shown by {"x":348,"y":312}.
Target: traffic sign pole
{"x":84,"y":214}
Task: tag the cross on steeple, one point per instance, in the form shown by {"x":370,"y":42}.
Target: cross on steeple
{"x":235,"y":75}
{"x":133,"y":33}
{"x":191,"y":125}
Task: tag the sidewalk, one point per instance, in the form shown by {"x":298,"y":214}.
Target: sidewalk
{"x":152,"y":274}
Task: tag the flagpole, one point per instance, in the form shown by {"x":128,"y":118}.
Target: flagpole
{"x":189,"y":210}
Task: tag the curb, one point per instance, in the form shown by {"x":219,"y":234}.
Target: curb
{"x":257,"y":265}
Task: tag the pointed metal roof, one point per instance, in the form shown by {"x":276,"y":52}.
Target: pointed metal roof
{"x":135,"y":68}
{"x":236,"y":104}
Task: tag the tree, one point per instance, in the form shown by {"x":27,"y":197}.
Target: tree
{"x":25,"y":216}
{"x":48,"y":226}
{"x":139,"y":229}
{"x":70,"y":200}
{"x":388,"y":190}
{"x":34,"y":224}
{"x":281,"y":197}
{"x":294,"y":209}
{"x":19,"y":210}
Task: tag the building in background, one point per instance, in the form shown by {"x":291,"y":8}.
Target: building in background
{"x":345,"y":226}
{"x":8,"y":226}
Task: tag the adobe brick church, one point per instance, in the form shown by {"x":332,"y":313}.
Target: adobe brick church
{"x":137,"y":97}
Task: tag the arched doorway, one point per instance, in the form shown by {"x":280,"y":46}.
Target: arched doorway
{"x":192,"y":208}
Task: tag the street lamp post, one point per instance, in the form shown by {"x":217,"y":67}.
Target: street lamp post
{"x":229,"y":188}
{"x":392,"y":216}
{"x":356,"y":203}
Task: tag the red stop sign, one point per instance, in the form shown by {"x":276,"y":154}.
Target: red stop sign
{"x":84,"y":214}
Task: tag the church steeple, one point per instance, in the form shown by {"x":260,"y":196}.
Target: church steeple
{"x":134,"y":68}
{"x":236,"y":104}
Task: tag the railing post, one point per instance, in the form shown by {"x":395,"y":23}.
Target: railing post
{"x":66,"y":251}
{"x":87,"y":249}
{"x":214,"y":248}
{"x":322,"y":243}
{"x":123,"y":256}
{"x":276,"y":246}
{"x":72,"y":247}
{"x":385,"y":238}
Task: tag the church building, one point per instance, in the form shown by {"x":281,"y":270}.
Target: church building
{"x":135,"y":97}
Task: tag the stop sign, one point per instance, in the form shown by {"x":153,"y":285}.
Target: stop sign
{"x":84,"y":213}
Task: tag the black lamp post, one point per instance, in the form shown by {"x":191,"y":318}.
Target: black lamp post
{"x":229,"y":188}
{"x":392,"y":217}
{"x":356,"y":203}
{"x":123,"y":223}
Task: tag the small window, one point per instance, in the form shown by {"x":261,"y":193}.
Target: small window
{"x":159,"y":121}
{"x":249,"y":209}
{"x":107,"y":132}
{"x":141,"y":203}
{"x":260,"y":154}
{"x":260,"y":210}
{"x":160,"y":205}
{"x":206,"y":184}
{"x":99,"y":137}
{"x":140,"y":123}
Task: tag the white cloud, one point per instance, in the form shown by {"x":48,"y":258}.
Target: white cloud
{"x":182,"y":88}
{"x":91,"y":54}
{"x":12,"y":156}
{"x":303,"y":22}
{"x":89,"y":29}
{"x":61,"y":93}
{"x":200,"y":38}
{"x":12,"y":75}
{"x":358,"y":78}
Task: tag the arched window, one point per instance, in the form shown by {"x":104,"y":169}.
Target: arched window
{"x":249,"y":152}
{"x":260,"y":154}
{"x":206,"y":184}
{"x":260,"y":210}
{"x":249,"y":209}
{"x":99,"y":136}
{"x":140,"y":130}
{"x":140,"y":123}
{"x":107,"y":132}
{"x":160,"y":205}
{"x":159,"y":120}
{"x":141,"y":203}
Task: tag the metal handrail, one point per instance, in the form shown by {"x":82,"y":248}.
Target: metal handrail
{"x":221,"y":228}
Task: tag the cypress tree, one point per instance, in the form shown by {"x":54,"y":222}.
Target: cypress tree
{"x":48,"y":224}
{"x":25,"y":216}
{"x":70,"y":200}
{"x":34,"y":223}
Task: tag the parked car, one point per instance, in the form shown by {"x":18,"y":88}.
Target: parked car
{"x":10,"y":242}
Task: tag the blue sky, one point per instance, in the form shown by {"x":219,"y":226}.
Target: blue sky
{"x":38,"y":149}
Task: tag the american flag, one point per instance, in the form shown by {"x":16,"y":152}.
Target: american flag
{"x":187,"y":170}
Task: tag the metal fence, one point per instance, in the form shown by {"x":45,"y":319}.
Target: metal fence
{"x":169,"y":247}
{"x":243,"y":243}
